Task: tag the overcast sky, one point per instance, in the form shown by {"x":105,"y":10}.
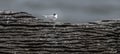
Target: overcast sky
{"x":75,"y":11}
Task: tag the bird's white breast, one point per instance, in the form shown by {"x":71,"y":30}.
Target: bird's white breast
{"x":56,"y":16}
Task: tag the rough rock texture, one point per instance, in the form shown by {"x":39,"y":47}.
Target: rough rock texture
{"x":22,"y":33}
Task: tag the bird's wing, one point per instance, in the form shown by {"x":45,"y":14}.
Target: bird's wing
{"x":50,"y":17}
{"x":45,"y":16}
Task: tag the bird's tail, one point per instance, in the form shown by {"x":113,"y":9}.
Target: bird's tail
{"x":44,"y":16}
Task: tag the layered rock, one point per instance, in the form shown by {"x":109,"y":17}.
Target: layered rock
{"x":22,"y":33}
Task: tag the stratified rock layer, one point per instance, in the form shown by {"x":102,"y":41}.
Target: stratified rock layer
{"x":22,"y":33}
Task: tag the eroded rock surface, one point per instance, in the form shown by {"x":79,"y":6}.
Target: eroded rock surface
{"x":22,"y":33}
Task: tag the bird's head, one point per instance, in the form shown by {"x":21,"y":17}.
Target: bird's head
{"x":54,"y":14}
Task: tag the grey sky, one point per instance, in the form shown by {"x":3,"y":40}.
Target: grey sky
{"x":75,"y":11}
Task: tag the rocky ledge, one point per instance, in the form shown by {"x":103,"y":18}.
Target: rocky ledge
{"x":22,"y":33}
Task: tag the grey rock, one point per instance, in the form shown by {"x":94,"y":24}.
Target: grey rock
{"x":24,"y":34}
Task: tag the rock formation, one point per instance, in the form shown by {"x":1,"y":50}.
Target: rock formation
{"x":22,"y":33}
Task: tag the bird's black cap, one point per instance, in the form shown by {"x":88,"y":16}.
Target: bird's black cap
{"x":54,"y":14}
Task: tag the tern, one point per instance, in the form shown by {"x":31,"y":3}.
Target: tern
{"x":52,"y":17}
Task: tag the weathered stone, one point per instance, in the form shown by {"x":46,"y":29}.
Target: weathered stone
{"x":22,"y":33}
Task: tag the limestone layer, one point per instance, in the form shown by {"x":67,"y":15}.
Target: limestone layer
{"x":22,"y":33}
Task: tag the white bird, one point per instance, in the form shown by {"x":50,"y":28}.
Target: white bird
{"x":52,"y":18}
